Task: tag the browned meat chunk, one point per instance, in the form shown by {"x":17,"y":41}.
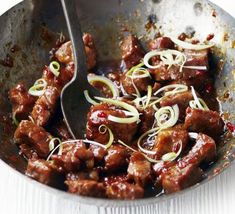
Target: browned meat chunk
{"x":86,"y":188}
{"x":22,"y":102}
{"x":186,"y":172}
{"x":65,"y":55}
{"x":66,"y":74}
{"x":176,"y":178}
{"x":33,"y":135}
{"x":73,"y":157}
{"x":169,"y":140}
{"x":45,"y":106}
{"x":117,"y":158}
{"x":162,"y":73}
{"x":208,"y":122}
{"x":147,"y":119}
{"x":83,"y":175}
{"x":181,"y":99}
{"x":203,"y":150}
{"x":45,"y":172}
{"x":121,"y":178}
{"x":98,"y":115}
{"x":98,"y":152}
{"x":27,"y":151}
{"x":140,"y":83}
{"x":124,"y":190}
{"x":197,"y":58}
{"x":200,"y":80}
{"x":160,"y":43}
{"x":131,"y":50}
{"x":194,"y":58}
{"x":139,"y":169}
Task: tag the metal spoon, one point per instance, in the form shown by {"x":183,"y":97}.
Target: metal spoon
{"x":73,"y":103}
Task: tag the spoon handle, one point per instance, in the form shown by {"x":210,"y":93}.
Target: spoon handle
{"x":74,"y":28}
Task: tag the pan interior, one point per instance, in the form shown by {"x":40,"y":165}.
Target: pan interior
{"x":28,"y":31}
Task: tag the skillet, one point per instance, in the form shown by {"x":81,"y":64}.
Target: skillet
{"x":28,"y":31}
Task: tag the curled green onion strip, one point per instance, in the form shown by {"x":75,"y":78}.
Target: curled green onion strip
{"x":39,"y":88}
{"x":55,"y":68}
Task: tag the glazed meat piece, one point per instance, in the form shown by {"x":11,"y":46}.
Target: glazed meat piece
{"x":45,"y":172}
{"x":176,"y":178}
{"x":160,"y":43}
{"x":181,"y":99}
{"x":65,"y":55}
{"x":140,"y":83}
{"x":124,"y":190}
{"x":66,"y":74}
{"x":193,"y":58}
{"x":197,"y":57}
{"x":139,"y":169}
{"x":131,"y":51}
{"x":83,"y":175}
{"x":45,"y":106}
{"x":33,"y":135}
{"x":116,"y":159}
{"x":186,"y":172}
{"x":86,"y":188}
{"x":22,"y":102}
{"x":147,"y":119}
{"x":169,"y":140}
{"x":208,"y":122}
{"x":162,"y":73}
{"x":203,"y":151}
{"x":199,"y":78}
{"x":27,"y":151}
{"x":98,"y":115}
{"x":98,"y":152}
{"x":74,"y":157}
{"x":110,"y":179}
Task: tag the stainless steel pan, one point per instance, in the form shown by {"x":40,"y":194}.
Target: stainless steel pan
{"x":27,"y":33}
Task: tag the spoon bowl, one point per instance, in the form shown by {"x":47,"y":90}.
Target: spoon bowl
{"x":73,"y":103}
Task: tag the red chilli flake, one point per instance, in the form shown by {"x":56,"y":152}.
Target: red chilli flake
{"x":102,"y":114}
{"x":230,"y":127}
{"x":209,"y":88}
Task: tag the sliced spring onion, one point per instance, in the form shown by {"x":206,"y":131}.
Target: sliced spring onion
{"x":52,"y":143}
{"x":39,"y":88}
{"x":193,"y":135}
{"x":148,"y":98}
{"x":103,"y":129}
{"x":168,"y":57}
{"x":196,"y":67}
{"x":72,"y":141}
{"x":55,"y":68}
{"x":136,"y":89}
{"x":89,"y":99}
{"x":154,"y":131}
{"x":31,"y":119}
{"x":167,"y":116}
{"x":171,"y":156}
{"x":186,"y":45}
{"x":134,"y":114}
{"x":174,"y":89}
{"x":15,"y":121}
{"x":129,"y":73}
{"x":112,"y":87}
{"x":197,"y":102}
{"x":133,"y":150}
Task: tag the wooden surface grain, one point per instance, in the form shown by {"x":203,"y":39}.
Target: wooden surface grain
{"x":18,"y":196}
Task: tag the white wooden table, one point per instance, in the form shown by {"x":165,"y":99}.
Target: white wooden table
{"x":17,"y":196}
